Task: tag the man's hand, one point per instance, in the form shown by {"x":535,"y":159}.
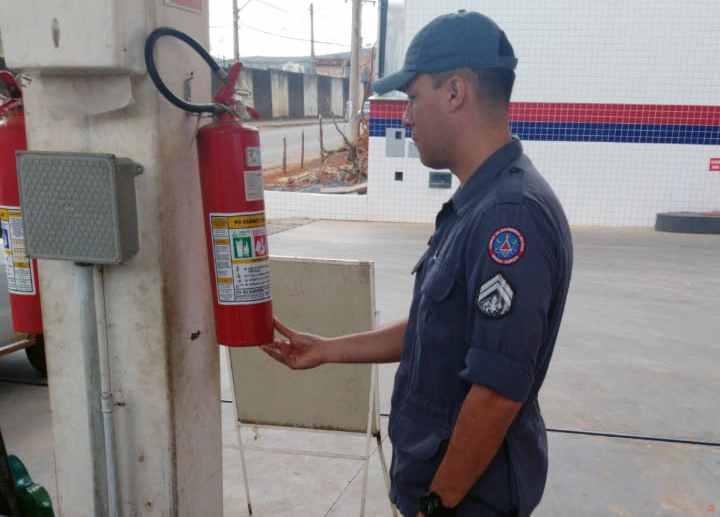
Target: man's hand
{"x":299,"y":352}
{"x":479,"y":432}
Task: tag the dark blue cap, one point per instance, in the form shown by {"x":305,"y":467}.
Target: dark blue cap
{"x":452,"y":41}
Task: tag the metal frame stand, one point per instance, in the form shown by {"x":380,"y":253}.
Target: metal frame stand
{"x":373,"y":418}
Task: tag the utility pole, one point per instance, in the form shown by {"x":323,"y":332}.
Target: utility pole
{"x":236,"y":43}
{"x":312,"y":41}
{"x":355,"y":68}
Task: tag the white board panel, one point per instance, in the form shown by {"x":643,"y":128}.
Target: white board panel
{"x":325,"y":297}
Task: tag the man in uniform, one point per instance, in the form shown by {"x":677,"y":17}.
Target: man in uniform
{"x":468,"y":437}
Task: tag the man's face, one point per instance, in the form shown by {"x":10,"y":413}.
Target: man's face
{"x":426,"y":118}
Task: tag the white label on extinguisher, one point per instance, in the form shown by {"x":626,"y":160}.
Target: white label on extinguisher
{"x":18,"y":266}
{"x":252,"y":157}
{"x":240,"y":256}
{"x":253,"y":185}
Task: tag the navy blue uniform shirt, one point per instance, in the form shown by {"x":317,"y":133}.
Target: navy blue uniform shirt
{"x":488,"y":299}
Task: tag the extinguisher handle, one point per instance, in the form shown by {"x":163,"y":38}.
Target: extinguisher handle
{"x":12,"y":87}
{"x":160,"y":85}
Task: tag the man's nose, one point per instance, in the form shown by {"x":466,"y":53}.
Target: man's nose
{"x":407,"y":118}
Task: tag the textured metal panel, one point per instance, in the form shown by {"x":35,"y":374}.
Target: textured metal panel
{"x":70,"y":206}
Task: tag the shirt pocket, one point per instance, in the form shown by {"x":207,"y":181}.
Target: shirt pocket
{"x":437,"y":314}
{"x":417,"y":436}
{"x":439,"y":281}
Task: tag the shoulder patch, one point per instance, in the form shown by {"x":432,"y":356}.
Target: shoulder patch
{"x":495,"y":297}
{"x":506,"y":245}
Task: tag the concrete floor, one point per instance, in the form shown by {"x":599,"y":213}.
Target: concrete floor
{"x":631,"y":399}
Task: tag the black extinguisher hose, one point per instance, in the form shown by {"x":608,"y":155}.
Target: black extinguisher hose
{"x":160,"y":85}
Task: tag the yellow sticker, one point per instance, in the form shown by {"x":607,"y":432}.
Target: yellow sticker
{"x":18,"y":269}
{"x":240,"y":258}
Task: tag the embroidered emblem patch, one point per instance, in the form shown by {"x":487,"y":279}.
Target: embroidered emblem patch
{"x":506,"y":246}
{"x":495,"y":297}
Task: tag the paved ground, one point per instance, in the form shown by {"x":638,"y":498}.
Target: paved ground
{"x":631,"y":399}
{"x":272,"y":133}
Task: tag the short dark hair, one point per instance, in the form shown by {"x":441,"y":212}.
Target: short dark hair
{"x":491,"y":84}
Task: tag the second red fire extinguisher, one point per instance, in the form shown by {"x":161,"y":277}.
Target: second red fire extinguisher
{"x":234,"y":208}
{"x":22,"y":276}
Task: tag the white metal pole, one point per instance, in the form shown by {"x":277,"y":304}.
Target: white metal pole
{"x":238,"y":429}
{"x":88,"y":341}
{"x":107,"y":403}
{"x":236,"y":36}
{"x":354,"y":68}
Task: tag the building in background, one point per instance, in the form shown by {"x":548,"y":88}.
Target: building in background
{"x":622,"y":123}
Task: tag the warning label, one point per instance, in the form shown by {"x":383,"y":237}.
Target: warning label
{"x":252,"y":157}
{"x":18,"y":266}
{"x":253,"y":185}
{"x":240,"y":253}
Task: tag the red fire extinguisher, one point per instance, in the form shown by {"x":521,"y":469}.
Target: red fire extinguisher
{"x":232,"y":192}
{"x":22,"y":276}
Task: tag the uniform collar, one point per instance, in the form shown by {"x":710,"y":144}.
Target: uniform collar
{"x":480,"y":179}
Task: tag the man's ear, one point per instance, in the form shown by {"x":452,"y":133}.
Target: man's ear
{"x":457,"y":90}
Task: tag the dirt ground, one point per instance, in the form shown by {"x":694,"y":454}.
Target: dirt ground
{"x":335,"y":169}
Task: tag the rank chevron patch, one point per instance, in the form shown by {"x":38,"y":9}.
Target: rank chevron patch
{"x":495,"y":297}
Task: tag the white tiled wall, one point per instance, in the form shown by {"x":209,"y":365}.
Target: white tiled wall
{"x":635,"y":52}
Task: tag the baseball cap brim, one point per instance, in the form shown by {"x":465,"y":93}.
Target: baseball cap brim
{"x":396,"y":81}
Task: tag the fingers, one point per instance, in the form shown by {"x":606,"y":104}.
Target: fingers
{"x":277,"y":350}
{"x":280,"y":351}
{"x":271,"y":350}
{"x":282,"y":329}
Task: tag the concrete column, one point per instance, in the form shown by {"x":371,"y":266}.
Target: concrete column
{"x":280,"y":95}
{"x":164,"y":361}
{"x":310,"y":97}
{"x":245,"y":82}
{"x":336,"y":94}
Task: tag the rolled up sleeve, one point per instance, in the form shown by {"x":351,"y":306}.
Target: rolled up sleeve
{"x":508,"y":299}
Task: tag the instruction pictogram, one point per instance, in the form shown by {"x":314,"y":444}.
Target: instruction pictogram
{"x":240,"y":253}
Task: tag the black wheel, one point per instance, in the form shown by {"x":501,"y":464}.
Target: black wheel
{"x":36,"y":354}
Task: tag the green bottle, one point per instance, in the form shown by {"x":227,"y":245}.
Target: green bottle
{"x":34,"y":499}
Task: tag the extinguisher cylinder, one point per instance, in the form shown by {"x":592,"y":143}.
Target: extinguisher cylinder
{"x":234,"y":210}
{"x":21,"y":271}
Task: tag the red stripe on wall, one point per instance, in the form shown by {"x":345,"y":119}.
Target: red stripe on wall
{"x":615,"y":113}
{"x":584,"y":112}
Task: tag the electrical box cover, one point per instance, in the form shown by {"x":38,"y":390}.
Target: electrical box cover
{"x":78,"y":206}
{"x":92,"y":36}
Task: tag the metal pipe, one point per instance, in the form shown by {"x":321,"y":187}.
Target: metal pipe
{"x":88,"y":339}
{"x":355,"y":68}
{"x":107,"y":403}
{"x":383,"y":35}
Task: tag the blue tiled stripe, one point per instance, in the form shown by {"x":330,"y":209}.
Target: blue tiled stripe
{"x":619,"y":133}
{"x":593,"y":132}
{"x":379,"y":125}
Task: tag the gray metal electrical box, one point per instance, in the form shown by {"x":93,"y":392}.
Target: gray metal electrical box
{"x":78,"y":206}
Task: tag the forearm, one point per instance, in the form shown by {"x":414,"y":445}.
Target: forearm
{"x":479,"y":431}
{"x":376,"y":346}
